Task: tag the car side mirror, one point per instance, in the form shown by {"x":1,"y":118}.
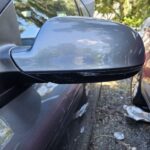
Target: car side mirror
{"x":78,"y":50}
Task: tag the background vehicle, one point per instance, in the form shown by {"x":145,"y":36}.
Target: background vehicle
{"x":141,"y":82}
{"x":66,"y":50}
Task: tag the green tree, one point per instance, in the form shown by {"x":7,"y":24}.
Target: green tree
{"x":129,"y":12}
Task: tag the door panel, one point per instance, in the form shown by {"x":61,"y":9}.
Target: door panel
{"x":36,"y":118}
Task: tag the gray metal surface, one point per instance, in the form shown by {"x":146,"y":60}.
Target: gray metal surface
{"x":9,"y":26}
{"x":76,"y":43}
{"x":6,"y":63}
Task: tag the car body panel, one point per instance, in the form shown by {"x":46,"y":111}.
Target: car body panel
{"x":91,"y":45}
{"x":38,"y":114}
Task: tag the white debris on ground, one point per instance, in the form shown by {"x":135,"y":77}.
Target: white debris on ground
{"x":119,"y":136}
{"x":136,"y":113}
{"x":110,"y":118}
{"x":82,"y":130}
{"x":81,"y":111}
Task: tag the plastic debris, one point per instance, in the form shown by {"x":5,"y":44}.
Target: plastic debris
{"x":136,"y":113}
{"x":82,"y":130}
{"x":81,"y":111}
{"x":121,"y":97}
{"x":133,"y":148}
{"x":119,"y":136}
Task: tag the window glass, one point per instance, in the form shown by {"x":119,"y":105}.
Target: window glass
{"x":33,"y":13}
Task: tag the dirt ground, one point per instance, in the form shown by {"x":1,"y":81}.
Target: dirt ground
{"x":105,"y":115}
{"x":109,"y":118}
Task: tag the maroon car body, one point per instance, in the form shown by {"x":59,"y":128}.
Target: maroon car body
{"x":34,"y":116}
{"x":37,"y":118}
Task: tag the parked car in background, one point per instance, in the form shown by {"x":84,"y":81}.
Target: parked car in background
{"x":141,"y":82}
{"x":67,"y":51}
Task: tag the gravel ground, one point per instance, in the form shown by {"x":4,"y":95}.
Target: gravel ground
{"x":78,"y":135}
{"x":105,"y":115}
{"x":109,"y":118}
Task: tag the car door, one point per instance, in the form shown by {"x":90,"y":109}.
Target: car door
{"x":32,"y":116}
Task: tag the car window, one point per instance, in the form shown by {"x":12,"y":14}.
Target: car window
{"x":32,"y":14}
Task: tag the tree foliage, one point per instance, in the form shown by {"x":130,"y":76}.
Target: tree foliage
{"x":129,"y":12}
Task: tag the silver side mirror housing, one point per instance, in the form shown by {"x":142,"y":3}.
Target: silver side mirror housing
{"x":79,"y":49}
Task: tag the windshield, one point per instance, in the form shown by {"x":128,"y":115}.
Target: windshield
{"x":32,"y":14}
